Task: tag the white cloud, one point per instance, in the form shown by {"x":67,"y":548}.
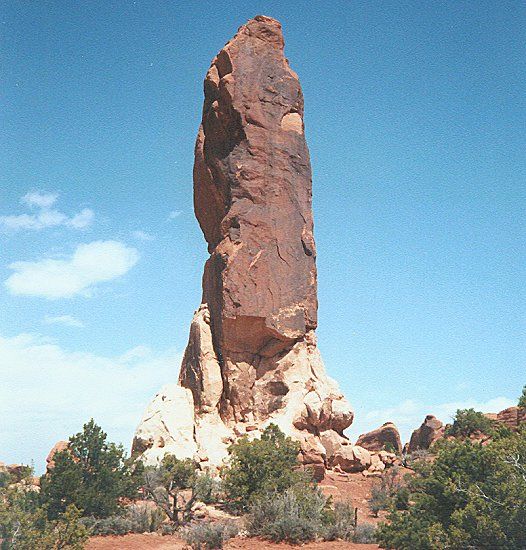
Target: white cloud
{"x":90,"y":264}
{"x":45,"y":215}
{"x":81,"y":220}
{"x":174,"y":214}
{"x":409,"y":414}
{"x":42,"y":200}
{"x":66,"y":320}
{"x":142,"y":236}
{"x":47,"y":393}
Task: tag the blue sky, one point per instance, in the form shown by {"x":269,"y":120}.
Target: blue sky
{"x":415,"y":117}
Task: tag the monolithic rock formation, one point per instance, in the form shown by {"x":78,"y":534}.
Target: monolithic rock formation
{"x":423,"y":437}
{"x":386,"y":437}
{"x":251,"y":357}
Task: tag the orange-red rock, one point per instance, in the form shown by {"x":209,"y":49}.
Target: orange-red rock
{"x":252,"y":356}
{"x":57,"y":448}
{"x":512,"y":417}
{"x":386,"y":436}
{"x":423,"y":437}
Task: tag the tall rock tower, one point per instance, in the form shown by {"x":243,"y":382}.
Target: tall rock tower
{"x":251,"y":358}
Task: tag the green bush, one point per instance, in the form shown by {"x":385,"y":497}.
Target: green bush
{"x":144,"y":518}
{"x":92,"y":474}
{"x":522,"y":399}
{"x":340,"y":522}
{"x":297,"y":515}
{"x":25,"y":526}
{"x":112,"y":525}
{"x":469,"y":422}
{"x":260,"y":467}
{"x":207,"y":489}
{"x":364,"y":533}
{"x":471,"y":496}
{"x":384,"y":490}
{"x":169,"y":486}
{"x":208,"y":536}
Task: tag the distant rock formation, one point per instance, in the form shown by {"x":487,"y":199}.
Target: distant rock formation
{"x":251,"y":357}
{"x":512,"y":417}
{"x":423,"y":437}
{"x":386,"y":437}
{"x":57,"y":448}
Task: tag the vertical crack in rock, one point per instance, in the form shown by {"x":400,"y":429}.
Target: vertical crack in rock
{"x":252,"y":357}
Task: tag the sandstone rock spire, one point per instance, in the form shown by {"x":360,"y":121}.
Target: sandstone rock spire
{"x":251,"y":357}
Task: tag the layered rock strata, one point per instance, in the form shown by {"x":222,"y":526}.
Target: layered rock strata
{"x":251,"y":357}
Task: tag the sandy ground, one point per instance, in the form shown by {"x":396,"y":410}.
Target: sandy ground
{"x":158,"y":542}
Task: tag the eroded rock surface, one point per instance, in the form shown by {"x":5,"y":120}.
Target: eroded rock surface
{"x":386,"y":437}
{"x":251,"y":357}
{"x":423,"y":437}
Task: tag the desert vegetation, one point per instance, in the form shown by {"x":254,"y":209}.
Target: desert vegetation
{"x":466,"y":491}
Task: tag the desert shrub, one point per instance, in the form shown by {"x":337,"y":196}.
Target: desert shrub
{"x":208,"y":536}
{"x":364,"y":533}
{"x":383,"y":490}
{"x":5,"y":479}
{"x":136,"y":518}
{"x":92,"y":474}
{"x":112,"y":525}
{"x":144,"y":518}
{"x":469,"y":422}
{"x":172,"y":486}
{"x":260,"y":467}
{"x":207,"y":489}
{"x":297,"y":515}
{"x":24,"y":526}
{"x":471,"y":496}
{"x":522,"y":399}
{"x":409,"y":460}
{"x":340,"y":522}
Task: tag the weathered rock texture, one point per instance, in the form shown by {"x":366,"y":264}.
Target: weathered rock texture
{"x":386,"y":437}
{"x":423,"y":437}
{"x":251,"y":357}
{"x":512,"y":417}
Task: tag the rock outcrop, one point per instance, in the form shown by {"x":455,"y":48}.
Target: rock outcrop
{"x":58,"y":447}
{"x":423,"y":437}
{"x":251,"y":357}
{"x":512,"y":417}
{"x":386,"y":437}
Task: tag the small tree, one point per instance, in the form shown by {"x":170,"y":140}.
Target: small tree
{"x":91,"y":474}
{"x":166,"y":486}
{"x":469,"y":422}
{"x":265,"y":465}
{"x":24,"y":524}
{"x":470,"y":496}
{"x":522,"y":399}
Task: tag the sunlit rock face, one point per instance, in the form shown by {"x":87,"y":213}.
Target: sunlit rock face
{"x":252,"y":357}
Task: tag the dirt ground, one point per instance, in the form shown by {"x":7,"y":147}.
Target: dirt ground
{"x":356,"y":488}
{"x":158,"y":542}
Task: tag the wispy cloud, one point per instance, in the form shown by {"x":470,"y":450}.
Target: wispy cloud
{"x":68,"y":388}
{"x":66,"y":320}
{"x":45,"y":216}
{"x":174,"y":214}
{"x":89,"y":265}
{"x":42,"y":200}
{"x":142,"y":236}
